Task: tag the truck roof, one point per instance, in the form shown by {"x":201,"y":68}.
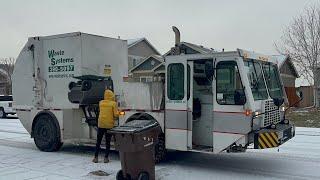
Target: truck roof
{"x":237,"y":53}
{"x":69,"y":35}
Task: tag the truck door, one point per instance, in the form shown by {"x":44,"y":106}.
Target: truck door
{"x":177,"y":129}
{"x":231,"y":117}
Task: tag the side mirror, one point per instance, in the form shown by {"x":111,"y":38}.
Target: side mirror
{"x":299,"y":94}
{"x":239,"y":97}
{"x":278,"y":101}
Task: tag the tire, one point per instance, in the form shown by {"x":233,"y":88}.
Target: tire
{"x":160,"y":149}
{"x":46,"y":133}
{"x":121,"y":177}
{"x":143,"y":176}
{"x":2,"y":113}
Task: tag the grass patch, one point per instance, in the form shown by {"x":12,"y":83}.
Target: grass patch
{"x":305,"y":117}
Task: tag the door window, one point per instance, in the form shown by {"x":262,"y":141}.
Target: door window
{"x":175,"y":79}
{"x":228,"y":84}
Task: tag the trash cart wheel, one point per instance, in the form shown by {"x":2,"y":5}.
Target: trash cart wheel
{"x":143,"y":176}
{"x":160,"y":149}
{"x":2,"y":113}
{"x":120,"y":176}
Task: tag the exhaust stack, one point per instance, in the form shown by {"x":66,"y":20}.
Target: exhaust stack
{"x":177,"y":35}
{"x":176,"y":49}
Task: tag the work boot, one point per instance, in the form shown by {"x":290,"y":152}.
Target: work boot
{"x":95,"y":160}
{"x":106,"y":160}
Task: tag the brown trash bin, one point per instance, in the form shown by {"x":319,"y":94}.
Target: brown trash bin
{"x":135,"y":142}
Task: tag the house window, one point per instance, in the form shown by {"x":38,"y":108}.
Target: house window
{"x":146,"y":79}
{"x":134,"y":62}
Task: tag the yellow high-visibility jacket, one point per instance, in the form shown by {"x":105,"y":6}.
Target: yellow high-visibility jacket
{"x":108,"y":110}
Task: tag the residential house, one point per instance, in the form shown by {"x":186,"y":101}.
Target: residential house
{"x":138,"y":50}
{"x":288,"y":74}
{"x":149,"y":69}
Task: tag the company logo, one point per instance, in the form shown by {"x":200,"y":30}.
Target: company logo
{"x":60,"y":63}
{"x":55,"y":57}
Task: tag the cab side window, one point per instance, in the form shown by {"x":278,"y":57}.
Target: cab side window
{"x":229,"y":89}
{"x":175,"y":81}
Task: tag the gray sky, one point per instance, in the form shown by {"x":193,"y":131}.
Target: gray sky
{"x":248,"y":24}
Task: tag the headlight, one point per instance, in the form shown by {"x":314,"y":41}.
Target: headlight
{"x":257,"y":113}
{"x":282,"y":108}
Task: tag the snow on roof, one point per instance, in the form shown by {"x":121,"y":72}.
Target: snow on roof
{"x":280,"y":61}
{"x":301,"y":81}
{"x":132,"y":42}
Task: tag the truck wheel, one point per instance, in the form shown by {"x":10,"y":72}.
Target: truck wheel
{"x":160,"y":149}
{"x":143,"y":176}
{"x":121,"y":177}
{"x":2,"y":113}
{"x":46,"y":134}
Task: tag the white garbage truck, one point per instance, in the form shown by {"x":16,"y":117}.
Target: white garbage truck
{"x":220,"y":101}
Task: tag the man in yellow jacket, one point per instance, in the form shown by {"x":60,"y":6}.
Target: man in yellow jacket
{"x":108,"y":113}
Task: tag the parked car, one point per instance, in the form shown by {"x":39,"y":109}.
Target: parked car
{"x":6,"y":103}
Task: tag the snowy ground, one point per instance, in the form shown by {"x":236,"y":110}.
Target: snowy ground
{"x":297,"y":159}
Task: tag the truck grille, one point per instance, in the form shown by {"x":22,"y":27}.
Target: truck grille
{"x":272,"y":117}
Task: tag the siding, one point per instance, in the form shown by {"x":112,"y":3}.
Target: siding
{"x":141,"y":49}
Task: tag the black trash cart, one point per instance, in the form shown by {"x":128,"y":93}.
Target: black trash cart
{"x":135,"y":142}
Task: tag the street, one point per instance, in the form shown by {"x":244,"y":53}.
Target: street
{"x":20,"y":159}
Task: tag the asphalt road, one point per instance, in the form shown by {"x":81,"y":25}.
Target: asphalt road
{"x":297,"y":159}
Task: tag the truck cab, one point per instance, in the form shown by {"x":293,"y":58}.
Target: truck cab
{"x":224,"y":101}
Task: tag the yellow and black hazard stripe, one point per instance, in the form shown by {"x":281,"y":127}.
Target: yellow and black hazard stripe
{"x":265,"y":140}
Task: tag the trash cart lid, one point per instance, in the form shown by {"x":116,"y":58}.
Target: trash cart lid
{"x":136,"y":126}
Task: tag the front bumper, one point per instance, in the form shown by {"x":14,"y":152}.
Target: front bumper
{"x":270,"y":138}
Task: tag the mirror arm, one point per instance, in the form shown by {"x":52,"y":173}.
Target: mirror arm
{"x":285,"y":111}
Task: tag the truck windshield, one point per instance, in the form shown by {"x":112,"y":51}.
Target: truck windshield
{"x":255,"y":77}
{"x":271,"y":75}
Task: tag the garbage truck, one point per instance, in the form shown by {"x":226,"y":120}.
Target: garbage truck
{"x":214,"y":102}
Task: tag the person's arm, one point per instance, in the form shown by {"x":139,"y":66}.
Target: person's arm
{"x":115,"y":111}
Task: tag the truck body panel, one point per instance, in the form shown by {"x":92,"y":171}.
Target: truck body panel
{"x":203,"y":103}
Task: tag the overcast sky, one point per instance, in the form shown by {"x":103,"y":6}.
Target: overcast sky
{"x":248,"y":24}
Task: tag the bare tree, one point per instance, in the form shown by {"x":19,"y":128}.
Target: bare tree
{"x":6,"y":68}
{"x":301,"y":40}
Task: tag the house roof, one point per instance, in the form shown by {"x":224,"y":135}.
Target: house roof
{"x":280,"y":61}
{"x":198,"y":48}
{"x":156,"y":57}
{"x":133,"y":42}
{"x":159,"y":69}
